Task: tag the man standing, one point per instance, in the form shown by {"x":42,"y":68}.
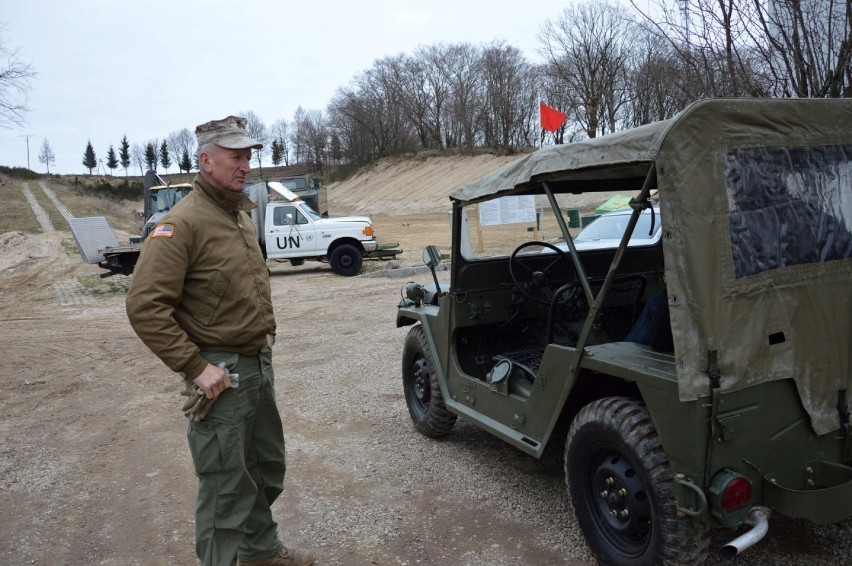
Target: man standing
{"x":200,"y":300}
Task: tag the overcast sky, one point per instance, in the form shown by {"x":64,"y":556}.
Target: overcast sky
{"x":146,"y":68}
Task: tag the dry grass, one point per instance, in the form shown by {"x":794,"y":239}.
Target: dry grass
{"x":18,"y":215}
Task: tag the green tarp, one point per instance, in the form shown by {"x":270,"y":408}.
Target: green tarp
{"x":617,"y":202}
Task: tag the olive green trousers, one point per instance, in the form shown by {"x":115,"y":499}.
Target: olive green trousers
{"x":238,"y":452}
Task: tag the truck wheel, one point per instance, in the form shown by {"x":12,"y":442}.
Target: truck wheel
{"x":346,"y":260}
{"x":621,"y":487}
{"x":421,"y":388}
{"x":297,"y":261}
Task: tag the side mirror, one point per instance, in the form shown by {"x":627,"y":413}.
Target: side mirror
{"x":432,"y":257}
{"x":289,"y":218}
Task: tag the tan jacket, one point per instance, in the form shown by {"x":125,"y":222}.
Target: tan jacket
{"x":201,"y":282}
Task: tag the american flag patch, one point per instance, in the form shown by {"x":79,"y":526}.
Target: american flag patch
{"x":163,"y":231}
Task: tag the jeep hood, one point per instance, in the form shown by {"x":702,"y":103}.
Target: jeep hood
{"x":757,"y":200}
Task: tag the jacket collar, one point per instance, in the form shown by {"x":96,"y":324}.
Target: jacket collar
{"x":230,"y":201}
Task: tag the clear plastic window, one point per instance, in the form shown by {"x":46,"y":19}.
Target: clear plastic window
{"x":789,"y":206}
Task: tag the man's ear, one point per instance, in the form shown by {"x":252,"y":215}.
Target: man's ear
{"x":204,"y":161}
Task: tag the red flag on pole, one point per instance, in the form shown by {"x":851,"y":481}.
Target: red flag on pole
{"x":551,"y":118}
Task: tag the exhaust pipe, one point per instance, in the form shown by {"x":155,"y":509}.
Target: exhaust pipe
{"x":759,"y":518}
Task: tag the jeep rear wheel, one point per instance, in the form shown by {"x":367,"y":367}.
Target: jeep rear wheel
{"x":622,"y":489}
{"x":421,"y":388}
{"x":346,"y":260}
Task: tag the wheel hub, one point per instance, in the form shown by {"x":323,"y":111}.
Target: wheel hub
{"x":622,"y":501}
{"x":421,"y":385}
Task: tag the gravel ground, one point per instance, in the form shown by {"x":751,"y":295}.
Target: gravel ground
{"x":94,"y":467}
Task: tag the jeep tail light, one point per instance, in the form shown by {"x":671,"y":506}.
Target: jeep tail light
{"x":368,"y":231}
{"x":730,"y":490}
{"x":729,"y":495}
{"x":736,"y":493}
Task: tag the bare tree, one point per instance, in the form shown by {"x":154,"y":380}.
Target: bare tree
{"x":316,"y":135}
{"x":435,"y":59}
{"x":46,"y":155}
{"x":509,"y":85}
{"x":180,"y":142}
{"x":408,"y":86}
{"x":588,"y":48}
{"x":462,"y":63}
{"x":15,"y":83}
{"x":806,"y":44}
{"x":137,"y":154}
{"x":297,"y":138}
{"x":797,"y":48}
{"x":655,"y":80}
{"x":256,"y":130}
{"x":280,"y":131}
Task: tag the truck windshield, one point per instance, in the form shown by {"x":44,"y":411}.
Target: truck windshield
{"x":164,"y":199}
{"x":295,"y":185}
{"x":311,"y":213}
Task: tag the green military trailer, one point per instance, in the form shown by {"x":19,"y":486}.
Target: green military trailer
{"x":703,"y":377}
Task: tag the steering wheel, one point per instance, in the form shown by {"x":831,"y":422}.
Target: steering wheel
{"x":535,"y":284}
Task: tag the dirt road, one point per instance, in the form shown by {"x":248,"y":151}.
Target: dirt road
{"x":94,"y":467}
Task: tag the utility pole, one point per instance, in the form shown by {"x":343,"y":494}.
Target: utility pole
{"x":27,"y":137}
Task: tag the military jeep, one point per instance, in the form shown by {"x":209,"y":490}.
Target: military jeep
{"x":703,"y":380}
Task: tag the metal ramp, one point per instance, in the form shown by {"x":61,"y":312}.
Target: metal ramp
{"x":93,"y":235}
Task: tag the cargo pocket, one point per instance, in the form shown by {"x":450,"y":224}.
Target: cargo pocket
{"x":225,"y":485}
{"x":205,"y":311}
{"x":215,"y":447}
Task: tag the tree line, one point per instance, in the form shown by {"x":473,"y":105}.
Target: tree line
{"x":608,"y":66}
{"x":179,"y":145}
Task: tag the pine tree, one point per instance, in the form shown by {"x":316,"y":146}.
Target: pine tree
{"x":165,"y":161}
{"x":112,"y":160}
{"x":276,"y":153}
{"x":185,"y":163}
{"x":89,"y":159}
{"x":151,"y":156}
{"x":124,"y":154}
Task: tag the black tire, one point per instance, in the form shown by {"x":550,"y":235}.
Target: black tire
{"x":346,"y":260}
{"x":421,"y":388}
{"x":297,"y":261}
{"x":614,"y":462}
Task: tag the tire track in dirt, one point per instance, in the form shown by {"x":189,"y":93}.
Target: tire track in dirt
{"x":40,"y":213}
{"x":63,"y":210}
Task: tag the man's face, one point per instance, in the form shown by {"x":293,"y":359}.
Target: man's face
{"x":225,"y":168}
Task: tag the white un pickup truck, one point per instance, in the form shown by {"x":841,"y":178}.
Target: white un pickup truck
{"x":288,"y":228}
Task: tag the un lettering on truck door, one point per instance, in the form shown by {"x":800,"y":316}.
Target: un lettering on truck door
{"x":291,"y":233}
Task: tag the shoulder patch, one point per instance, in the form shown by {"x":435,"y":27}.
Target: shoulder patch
{"x":163,"y":231}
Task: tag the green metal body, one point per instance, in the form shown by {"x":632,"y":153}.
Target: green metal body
{"x":761,"y":431}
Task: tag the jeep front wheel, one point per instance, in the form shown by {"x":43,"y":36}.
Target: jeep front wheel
{"x":622,"y":489}
{"x":421,"y":388}
{"x":346,"y":260}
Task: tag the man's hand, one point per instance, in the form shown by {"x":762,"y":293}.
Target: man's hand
{"x":270,"y":340}
{"x":213,"y":380}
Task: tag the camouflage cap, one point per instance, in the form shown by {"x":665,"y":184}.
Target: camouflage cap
{"x":229,"y":132}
